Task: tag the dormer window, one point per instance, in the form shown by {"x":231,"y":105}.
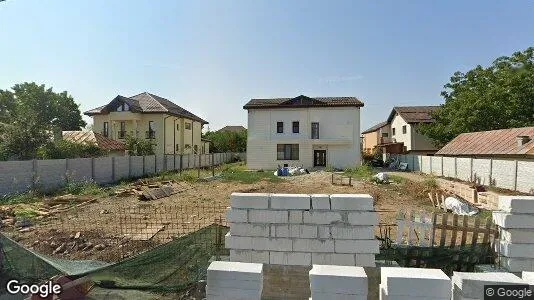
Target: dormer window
{"x":123,"y":107}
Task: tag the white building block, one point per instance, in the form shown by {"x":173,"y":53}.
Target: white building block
{"x":364,"y":260}
{"x":268,"y":216}
{"x":237,"y":242}
{"x":236,"y":284}
{"x":363,"y":218}
{"x":515,"y":250}
{"x":226,"y":270}
{"x":250,"y":256}
{"x":321,"y":217}
{"x":330,"y":296}
{"x":289,"y":258}
{"x":528,"y":277}
{"x":415,"y":282}
{"x":360,"y":202}
{"x":218,"y":293}
{"x":517,"y":204}
{"x":295,"y":216}
{"x":338,"y":279}
{"x":237,"y":216}
{"x":471,"y":285}
{"x":294,"y":231}
{"x":274,"y":244}
{"x":313,"y":245}
{"x":384,"y":296}
{"x":353,"y":232}
{"x":250,"y":200}
{"x":247,"y":229}
{"x":323,"y":232}
{"x":334,"y":259}
{"x":357,"y":246}
{"x":519,"y":236}
{"x":320,"y":201}
{"x":290,"y":201}
{"x":515,"y":264}
{"x":507,"y":220}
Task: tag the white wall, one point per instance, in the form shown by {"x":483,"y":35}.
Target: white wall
{"x":400,"y":137}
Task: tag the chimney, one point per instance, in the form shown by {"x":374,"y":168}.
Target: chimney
{"x":522,"y":140}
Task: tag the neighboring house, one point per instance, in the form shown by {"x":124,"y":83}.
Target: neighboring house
{"x":172,"y":129}
{"x":303,"y":131}
{"x":404,"y":138}
{"x":237,"y":129}
{"x":205,"y":146}
{"x":105,"y":144}
{"x":372,"y":137}
{"x":510,"y":143}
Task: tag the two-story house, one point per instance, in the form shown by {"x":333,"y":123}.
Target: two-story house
{"x":303,"y":131}
{"x":374,"y":136}
{"x":172,"y":129}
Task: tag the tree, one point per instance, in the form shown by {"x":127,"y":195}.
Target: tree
{"x":497,"y":97}
{"x":226,"y":141}
{"x":30,"y":114}
{"x":137,"y":146}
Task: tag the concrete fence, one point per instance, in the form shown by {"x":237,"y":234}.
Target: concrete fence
{"x":47,"y":175}
{"x":509,"y":174}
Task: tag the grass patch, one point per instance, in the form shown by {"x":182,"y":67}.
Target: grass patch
{"x":361,"y":172}
{"x":82,"y":188}
{"x":25,"y":214}
{"x":484,"y":214}
{"x":397,"y":179}
{"x":237,"y":172}
{"x":430,"y":183}
{"x":27,"y":197}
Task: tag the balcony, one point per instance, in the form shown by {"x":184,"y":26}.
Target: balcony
{"x":387,"y":140}
{"x":151,"y":134}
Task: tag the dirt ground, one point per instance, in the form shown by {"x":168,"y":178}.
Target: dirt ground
{"x":112,"y":228}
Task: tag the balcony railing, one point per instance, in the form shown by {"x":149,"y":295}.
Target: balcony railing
{"x":387,"y":140}
{"x":151,"y":134}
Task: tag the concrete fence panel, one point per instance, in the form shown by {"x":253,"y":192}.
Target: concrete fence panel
{"x":414,"y":163}
{"x":169,"y":162}
{"x":103,"y":170}
{"x":122,"y":167}
{"x":482,"y":171}
{"x":150,"y":164}
{"x":15,"y":176}
{"x":503,"y":173}
{"x":136,"y":166}
{"x":525,"y":176}
{"x":185,"y":161}
{"x":160,"y":163}
{"x":463,"y":168}
{"x":51,"y":173}
{"x":437,"y":165}
{"x":425,"y":164}
{"x":449,"y":167}
{"x":80,"y":169}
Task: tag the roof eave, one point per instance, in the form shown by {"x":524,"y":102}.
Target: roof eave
{"x":268,"y":106}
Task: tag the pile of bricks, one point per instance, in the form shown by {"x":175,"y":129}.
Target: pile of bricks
{"x":338,"y":282}
{"x":300,"y":229}
{"x":467,"y":286}
{"x":516,"y":221}
{"x":234,"y":280}
{"x":414,"y":283}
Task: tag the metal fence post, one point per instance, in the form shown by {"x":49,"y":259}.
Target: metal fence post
{"x":515,"y":175}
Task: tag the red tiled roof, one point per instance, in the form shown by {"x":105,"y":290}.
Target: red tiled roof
{"x":91,"y":137}
{"x":303,"y":101}
{"x":414,"y":114}
{"x":494,"y":142}
{"x":238,"y":128}
{"x":376,"y":127}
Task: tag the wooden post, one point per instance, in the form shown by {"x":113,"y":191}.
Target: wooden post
{"x":212,"y":166}
{"x":129,"y":166}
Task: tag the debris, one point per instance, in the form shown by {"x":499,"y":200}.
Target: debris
{"x":61,"y":248}
{"x":381,"y":178}
{"x":459,"y":206}
{"x":23,"y":223}
{"x":77,"y":235}
{"x":104,"y":212}
{"x":146,"y":233}
{"x":87,"y":246}
{"x":25,"y":229}
{"x":100,"y":247}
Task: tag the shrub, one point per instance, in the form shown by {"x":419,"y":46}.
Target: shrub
{"x":67,"y":149}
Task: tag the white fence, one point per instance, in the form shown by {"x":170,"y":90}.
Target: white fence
{"x":47,"y":175}
{"x":509,"y":174}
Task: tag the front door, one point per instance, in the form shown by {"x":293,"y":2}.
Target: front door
{"x":319,"y":158}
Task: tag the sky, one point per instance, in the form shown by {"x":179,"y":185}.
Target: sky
{"x":211,"y":57}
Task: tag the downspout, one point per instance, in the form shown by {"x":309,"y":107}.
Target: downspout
{"x":174,"y":135}
{"x":192,"y":137}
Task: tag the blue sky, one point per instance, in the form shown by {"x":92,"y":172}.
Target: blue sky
{"x":211,"y":57}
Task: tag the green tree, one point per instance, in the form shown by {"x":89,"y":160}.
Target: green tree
{"x":227,"y":141}
{"x":497,"y":97}
{"x":30,"y":114}
{"x":137,"y":146}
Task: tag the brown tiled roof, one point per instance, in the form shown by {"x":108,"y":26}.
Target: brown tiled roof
{"x":494,"y":142}
{"x":91,"y":137}
{"x":238,"y":128}
{"x":146,"y":103}
{"x":413,"y":114}
{"x":376,"y":127}
{"x":303,"y":101}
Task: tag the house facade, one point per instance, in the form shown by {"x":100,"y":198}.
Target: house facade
{"x":372,"y":137}
{"x":170,"y":128}
{"x":303,"y":131}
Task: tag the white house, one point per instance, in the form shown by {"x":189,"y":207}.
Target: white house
{"x":303,"y":131}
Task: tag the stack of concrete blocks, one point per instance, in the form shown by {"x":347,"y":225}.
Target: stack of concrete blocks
{"x":234,"y":280}
{"x":300,"y":229}
{"x":470,"y":286}
{"x":338,"y":282}
{"x":515,"y":219}
{"x":414,"y":284}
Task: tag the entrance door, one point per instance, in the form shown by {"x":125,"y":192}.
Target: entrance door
{"x":319,"y":158}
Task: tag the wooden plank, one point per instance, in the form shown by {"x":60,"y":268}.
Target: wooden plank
{"x":432,"y":199}
{"x":465,"y":225}
{"x":410,"y":228}
{"x":443,"y":234}
{"x":474,"y":239}
{"x":487,"y":231}
{"x":455,"y":230}
{"x":433,"y":233}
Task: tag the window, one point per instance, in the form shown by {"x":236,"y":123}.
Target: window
{"x":287,"y":151}
{"x":393,"y":131}
{"x":279,"y":127}
{"x":151,"y":133}
{"x":122,"y":132}
{"x":384,"y":134}
{"x":187,"y":125}
{"x":314,"y":130}
{"x":105,"y":132}
{"x":295,"y":126}
{"x":404,"y":129}
{"x":177,"y":127}
{"x":123,"y":107}
{"x":177,"y":147}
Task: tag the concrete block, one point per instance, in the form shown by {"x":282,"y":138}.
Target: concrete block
{"x":415,"y":282}
{"x":517,"y":204}
{"x":248,"y":229}
{"x":268,"y":216}
{"x":218,"y":293}
{"x":313,"y":245}
{"x":520,"y":236}
{"x":237,"y":216}
{"x":471,"y":285}
{"x":383,"y":295}
{"x":250,"y":200}
{"x":335,"y":259}
{"x":353,"y":232}
{"x":295,"y":217}
{"x":364,"y":260}
{"x":290,"y":201}
{"x":320,"y":201}
{"x":357,"y":246}
{"x":289,"y":258}
{"x":246,"y":285}
{"x":323,"y":232}
{"x":361,"y":202}
{"x":528,"y":277}
{"x":515,"y":250}
{"x":250,"y":256}
{"x":237,"y":242}
{"x":320,"y":295}
{"x":274,"y":244}
{"x":321,"y":217}
{"x":515,"y":264}
{"x":507,"y":220}
{"x":226,"y":270}
{"x":338,"y":279}
{"x":294,"y":231}
{"x":363,"y":218}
